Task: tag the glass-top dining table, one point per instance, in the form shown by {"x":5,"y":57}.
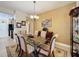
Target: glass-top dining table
{"x":35,"y":42}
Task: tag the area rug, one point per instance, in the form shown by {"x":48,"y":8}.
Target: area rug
{"x":8,"y":52}
{"x":57,"y":52}
{"x":60,"y":52}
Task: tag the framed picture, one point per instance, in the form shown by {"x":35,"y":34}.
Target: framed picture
{"x":47,"y":23}
{"x":23,"y":23}
{"x":18,"y":25}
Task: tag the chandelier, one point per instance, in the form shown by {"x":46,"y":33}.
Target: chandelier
{"x":34,"y":16}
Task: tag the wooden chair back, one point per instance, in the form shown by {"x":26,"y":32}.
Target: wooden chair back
{"x":18,"y":44}
{"x":43,"y":34}
{"x":36,"y":33}
{"x":23,"y":45}
{"x":52,"y":44}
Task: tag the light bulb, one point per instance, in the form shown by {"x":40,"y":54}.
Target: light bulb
{"x":31,"y":17}
{"x":37,"y":17}
{"x":34,"y":17}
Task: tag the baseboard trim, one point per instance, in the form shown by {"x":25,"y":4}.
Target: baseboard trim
{"x":63,"y":45}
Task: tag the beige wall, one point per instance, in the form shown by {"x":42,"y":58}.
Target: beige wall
{"x":60,"y":22}
{"x":77,"y":3}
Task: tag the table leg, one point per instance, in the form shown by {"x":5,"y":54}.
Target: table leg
{"x":35,"y":51}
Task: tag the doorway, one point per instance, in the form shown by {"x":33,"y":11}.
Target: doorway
{"x":4,"y":18}
{"x":3,"y":28}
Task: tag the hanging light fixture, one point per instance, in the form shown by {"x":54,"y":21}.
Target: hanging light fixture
{"x":34,"y":16}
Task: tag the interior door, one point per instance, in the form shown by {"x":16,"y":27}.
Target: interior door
{"x":3,"y":28}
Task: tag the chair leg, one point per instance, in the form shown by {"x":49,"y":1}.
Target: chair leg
{"x":53,"y":53}
{"x":20,"y":53}
{"x":42,"y":53}
{"x":39,"y":50}
{"x":49,"y":55}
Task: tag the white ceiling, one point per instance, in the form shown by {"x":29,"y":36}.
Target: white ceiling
{"x":28,"y":7}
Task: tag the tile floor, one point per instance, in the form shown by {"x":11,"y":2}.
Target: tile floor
{"x":3,"y":43}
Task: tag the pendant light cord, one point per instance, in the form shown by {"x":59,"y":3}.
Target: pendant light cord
{"x":34,"y":16}
{"x":34,"y":7}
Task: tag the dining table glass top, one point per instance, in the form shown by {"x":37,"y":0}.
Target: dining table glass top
{"x":35,"y":40}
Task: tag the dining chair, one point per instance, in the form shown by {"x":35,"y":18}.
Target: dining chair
{"x":23,"y":47}
{"x":26,"y":49}
{"x":36,"y":33}
{"x":43,"y":34}
{"x":15,"y":49}
{"x":16,"y":39}
{"x":18,"y":45}
{"x":48,"y":50}
{"x":21,"y":50}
